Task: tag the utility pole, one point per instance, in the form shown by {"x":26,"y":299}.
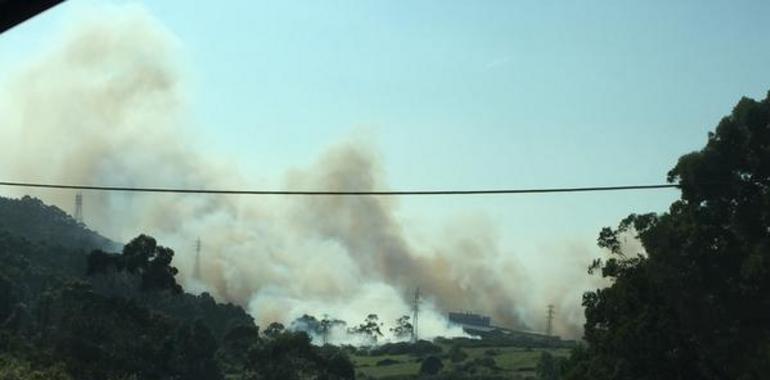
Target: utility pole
{"x":325,"y":324}
{"x":416,"y":315}
{"x":197,"y":267}
{"x":549,"y":321}
{"x":79,"y":208}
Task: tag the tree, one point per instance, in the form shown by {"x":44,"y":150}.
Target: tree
{"x":290,"y":355}
{"x":307,"y":323}
{"x":431,"y":365}
{"x":327,"y":325}
{"x":59,"y":321}
{"x":141,"y":256}
{"x":7,"y":298}
{"x":370,"y":328}
{"x":456,"y":354}
{"x":403,"y":327}
{"x":274,"y":329}
{"x":236,"y":344}
{"x":194,"y":357}
{"x":144,"y":256}
{"x":549,"y":367}
{"x":695,"y":303}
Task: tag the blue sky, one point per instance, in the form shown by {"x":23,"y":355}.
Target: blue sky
{"x":466,"y":94}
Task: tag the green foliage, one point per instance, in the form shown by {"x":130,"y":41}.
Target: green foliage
{"x":507,"y":363}
{"x":274,"y":330}
{"x":194,"y":356}
{"x":456,"y":354}
{"x":419,"y":348}
{"x":550,"y":367}
{"x":16,"y":369}
{"x":477,"y":366}
{"x":234,"y":350}
{"x":431,"y":365}
{"x":141,"y":256}
{"x":31,"y":219}
{"x":65,"y":314}
{"x":289,"y":355}
{"x":695,"y":303}
{"x":308,"y":324}
{"x":371,"y":328}
{"x":386,"y":361}
{"x":220,"y":318}
{"x":103,"y":337}
{"x":317,"y":328}
{"x":403,"y":328}
{"x":7,"y":297}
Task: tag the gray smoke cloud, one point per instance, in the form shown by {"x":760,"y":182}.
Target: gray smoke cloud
{"x":107,"y":105}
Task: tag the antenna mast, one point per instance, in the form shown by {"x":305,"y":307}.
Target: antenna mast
{"x":549,"y":321}
{"x":79,"y":208}
{"x":416,"y":315}
{"x":325,"y":324}
{"x":197,"y":268}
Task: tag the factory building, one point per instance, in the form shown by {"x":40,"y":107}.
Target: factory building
{"x":471,"y":322}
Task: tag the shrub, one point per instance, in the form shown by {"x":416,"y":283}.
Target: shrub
{"x":431,"y":366}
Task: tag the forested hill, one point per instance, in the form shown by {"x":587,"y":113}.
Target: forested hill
{"x":71,"y":309}
{"x":33,"y":220}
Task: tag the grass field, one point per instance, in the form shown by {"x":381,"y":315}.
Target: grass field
{"x":509,"y":361}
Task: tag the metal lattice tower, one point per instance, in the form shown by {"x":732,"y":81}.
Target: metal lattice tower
{"x":79,"y":208}
{"x":416,"y":315}
{"x":325,"y":325}
{"x":549,"y":321}
{"x":197,"y":267}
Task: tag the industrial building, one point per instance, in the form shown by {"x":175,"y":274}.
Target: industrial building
{"x":481,"y":326}
{"x":471,"y":322}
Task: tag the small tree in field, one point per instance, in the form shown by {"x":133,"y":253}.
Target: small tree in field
{"x":371,"y":328}
{"x":403,"y":328}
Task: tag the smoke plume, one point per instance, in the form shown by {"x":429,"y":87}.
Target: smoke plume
{"x":107,"y":105}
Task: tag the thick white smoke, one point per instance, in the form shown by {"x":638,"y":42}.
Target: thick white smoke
{"x":106,"y":106}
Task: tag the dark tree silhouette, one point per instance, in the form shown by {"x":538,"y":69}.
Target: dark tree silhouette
{"x":403,"y":328}
{"x":371,"y":328}
{"x":66,"y":314}
{"x":431,"y":365}
{"x":274,"y":329}
{"x":695,"y":303}
{"x":141,"y":256}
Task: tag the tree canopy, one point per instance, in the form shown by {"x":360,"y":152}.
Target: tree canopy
{"x":69,"y":314}
{"x":694,"y":302}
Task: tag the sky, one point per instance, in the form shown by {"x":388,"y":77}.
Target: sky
{"x":462,"y":95}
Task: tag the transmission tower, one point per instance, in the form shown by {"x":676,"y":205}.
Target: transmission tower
{"x":325,"y":325}
{"x":416,"y":315}
{"x":79,"y":208}
{"x":549,"y":321}
{"x":197,"y":267}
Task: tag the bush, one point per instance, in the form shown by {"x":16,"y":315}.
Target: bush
{"x":456,"y":354}
{"x":387,"y":361}
{"x":431,"y":366}
{"x":422,"y":347}
{"x":14,"y":369}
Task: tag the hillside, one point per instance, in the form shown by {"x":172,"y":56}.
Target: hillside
{"x":70,"y":309}
{"x":33,"y":220}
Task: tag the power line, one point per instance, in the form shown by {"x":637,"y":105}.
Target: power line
{"x":339,"y":193}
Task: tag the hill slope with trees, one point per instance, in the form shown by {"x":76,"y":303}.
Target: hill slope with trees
{"x":69,"y":309}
